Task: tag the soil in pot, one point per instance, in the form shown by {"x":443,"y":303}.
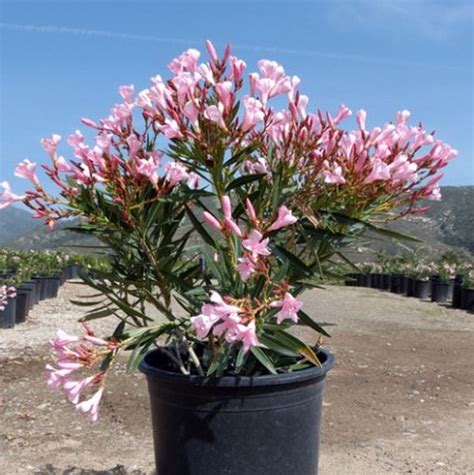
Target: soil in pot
{"x":266,"y":425}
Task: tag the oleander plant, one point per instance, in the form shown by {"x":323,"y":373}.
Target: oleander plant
{"x":218,"y":210}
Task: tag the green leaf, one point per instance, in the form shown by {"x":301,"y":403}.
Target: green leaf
{"x":98,"y":314}
{"x":200,"y":228}
{"x":305,"y":319}
{"x":243,"y":180}
{"x":261,"y":356}
{"x":296,"y":263}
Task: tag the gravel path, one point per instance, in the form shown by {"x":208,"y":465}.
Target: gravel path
{"x":399,"y":400}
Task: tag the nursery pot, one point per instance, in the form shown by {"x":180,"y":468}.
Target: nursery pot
{"x":31,"y":286}
{"x":395,"y":283}
{"x":386,"y":281}
{"x":373,"y":280}
{"x":351,"y":280}
{"x":43,"y":287}
{"x":23,"y":295}
{"x":72,"y":271}
{"x":52,"y":287}
{"x":403,"y":284}
{"x":439,"y":291}
{"x":7,"y":316}
{"x":410,"y":291}
{"x":467,"y":299}
{"x":265,"y":425}
{"x":365,"y":280}
{"x":457,"y":291}
{"x":422,"y":289}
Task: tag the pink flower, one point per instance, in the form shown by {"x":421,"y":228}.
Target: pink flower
{"x":211,"y":50}
{"x":127,"y":92}
{"x":27,"y":170}
{"x":211,"y":220}
{"x":361,"y":118}
{"x":175,"y":173}
{"x":380,"y":171}
{"x":215,"y":114}
{"x":245,"y":267}
{"x":224,"y":91}
{"x":334,"y":175}
{"x":285,"y":218}
{"x":247,"y":335}
{"x":193,"y":180}
{"x":62,"y":165}
{"x":91,"y":405}
{"x":343,"y":113}
{"x":253,"y":113}
{"x":148,"y":168}
{"x":50,"y":144}
{"x":74,"y":389}
{"x":57,"y":377}
{"x":171,"y":129}
{"x":237,"y":68}
{"x":186,"y":62}
{"x":7,"y":197}
{"x":435,"y":194}
{"x":250,"y":211}
{"x":256,"y":244}
{"x":202,"y":324}
{"x":289,"y":308}
{"x":257,"y":166}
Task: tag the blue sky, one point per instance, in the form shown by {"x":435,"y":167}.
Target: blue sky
{"x":62,"y":60}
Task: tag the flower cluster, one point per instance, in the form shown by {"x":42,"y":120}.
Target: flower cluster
{"x":74,"y":354}
{"x":202,"y":166}
{"x":6,"y":292}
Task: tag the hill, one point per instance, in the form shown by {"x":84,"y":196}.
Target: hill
{"x":448,"y":225}
{"x":15,"y":222}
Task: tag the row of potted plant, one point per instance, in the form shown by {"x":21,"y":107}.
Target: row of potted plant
{"x":439,"y":281}
{"x":27,"y":277}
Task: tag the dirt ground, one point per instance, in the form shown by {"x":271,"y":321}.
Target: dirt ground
{"x":399,"y":400}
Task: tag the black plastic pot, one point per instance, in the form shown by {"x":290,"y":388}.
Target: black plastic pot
{"x":72,"y":271}
{"x":365,"y":280}
{"x":37,"y":294}
{"x":23,"y":296}
{"x":31,"y":286}
{"x":457,"y":291}
{"x":439,"y":291}
{"x":386,"y":279}
{"x":267,"y":425}
{"x":410,"y":292}
{"x":52,"y":287}
{"x":422,"y":289}
{"x":403,"y":284}
{"x":7,"y":316}
{"x":467,"y":302}
{"x":373,"y":281}
{"x":43,"y":287}
{"x":395,"y":283}
{"x":351,"y":280}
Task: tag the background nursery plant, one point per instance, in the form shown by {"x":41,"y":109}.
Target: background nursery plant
{"x":203,"y":165}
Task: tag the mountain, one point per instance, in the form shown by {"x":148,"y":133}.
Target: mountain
{"x":15,"y":222}
{"x":448,"y":225}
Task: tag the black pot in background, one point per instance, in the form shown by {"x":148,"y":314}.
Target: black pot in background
{"x":351,"y":280}
{"x":62,"y":277}
{"x":37,"y":294}
{"x":72,"y":271}
{"x":439,"y":291}
{"x":366,"y":280}
{"x":457,"y":291}
{"x":23,"y":295}
{"x":395,"y":283}
{"x":31,"y":285}
{"x":386,"y":279}
{"x":403,"y":284}
{"x":373,"y":281}
{"x":422,"y":289}
{"x":43,"y":286}
{"x":467,"y":299}
{"x":410,"y":287}
{"x":52,"y":287}
{"x":267,"y":425}
{"x":7,"y":316}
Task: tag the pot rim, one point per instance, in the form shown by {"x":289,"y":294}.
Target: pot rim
{"x":240,"y":381}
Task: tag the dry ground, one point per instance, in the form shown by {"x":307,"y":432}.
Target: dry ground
{"x":399,"y":400}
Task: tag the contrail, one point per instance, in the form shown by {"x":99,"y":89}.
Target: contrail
{"x":86,"y":33}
